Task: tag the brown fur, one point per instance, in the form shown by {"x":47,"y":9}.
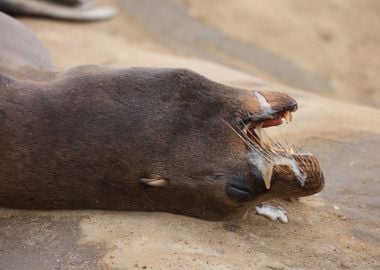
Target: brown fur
{"x":83,"y":139}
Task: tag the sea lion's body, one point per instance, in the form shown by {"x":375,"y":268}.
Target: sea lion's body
{"x":86,"y":138}
{"x":82,"y":147}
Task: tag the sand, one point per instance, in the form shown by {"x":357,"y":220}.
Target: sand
{"x":336,"y":229}
{"x":335,"y":41}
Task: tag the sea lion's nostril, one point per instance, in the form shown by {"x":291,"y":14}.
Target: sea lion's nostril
{"x":293,"y":106}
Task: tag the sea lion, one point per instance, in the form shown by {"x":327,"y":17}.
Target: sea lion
{"x":75,"y":10}
{"x":142,"y":139}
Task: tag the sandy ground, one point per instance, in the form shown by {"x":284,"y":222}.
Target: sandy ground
{"x":336,"y":229}
{"x":334,"y":40}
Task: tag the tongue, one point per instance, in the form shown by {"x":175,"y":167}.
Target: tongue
{"x":272,"y":122}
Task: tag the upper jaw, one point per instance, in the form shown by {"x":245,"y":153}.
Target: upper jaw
{"x":254,"y":119}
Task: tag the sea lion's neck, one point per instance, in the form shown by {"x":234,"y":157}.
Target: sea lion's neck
{"x":28,"y":73}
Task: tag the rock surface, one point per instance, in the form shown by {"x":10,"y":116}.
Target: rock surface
{"x":318,"y":236}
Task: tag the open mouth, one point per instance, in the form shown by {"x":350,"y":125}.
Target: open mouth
{"x":264,"y":153}
{"x":298,"y":174}
{"x":254,"y":130}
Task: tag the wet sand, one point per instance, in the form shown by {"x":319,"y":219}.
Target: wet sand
{"x":336,"y":229}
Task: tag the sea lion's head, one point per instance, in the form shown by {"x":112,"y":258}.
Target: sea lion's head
{"x":276,"y":170}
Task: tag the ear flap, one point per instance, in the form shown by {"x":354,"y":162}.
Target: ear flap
{"x":155,"y":182}
{"x":238,"y":190}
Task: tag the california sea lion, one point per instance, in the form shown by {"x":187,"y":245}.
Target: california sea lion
{"x":95,"y":137}
{"x":76,"y":10}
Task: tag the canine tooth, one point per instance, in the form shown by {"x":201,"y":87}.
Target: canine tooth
{"x":267,"y":174}
{"x":264,"y":166}
{"x":288,"y":117}
{"x":265,"y":139}
{"x":259,"y":130}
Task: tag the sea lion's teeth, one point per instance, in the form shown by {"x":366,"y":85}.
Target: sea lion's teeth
{"x":288,"y":117}
{"x":265,"y":140}
{"x":264,"y":166}
{"x":260,"y":134}
{"x":267,"y":174}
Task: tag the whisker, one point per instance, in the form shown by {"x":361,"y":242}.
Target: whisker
{"x":249,"y":142}
{"x":272,"y":148}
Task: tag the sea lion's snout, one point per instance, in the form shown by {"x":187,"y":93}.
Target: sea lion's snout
{"x":265,"y":109}
{"x":277,"y":170}
{"x":301,"y":177}
{"x":273,"y":104}
{"x":314,"y":177}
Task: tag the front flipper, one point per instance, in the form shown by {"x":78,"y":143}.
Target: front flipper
{"x":238,"y":190}
{"x":155,"y":182}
